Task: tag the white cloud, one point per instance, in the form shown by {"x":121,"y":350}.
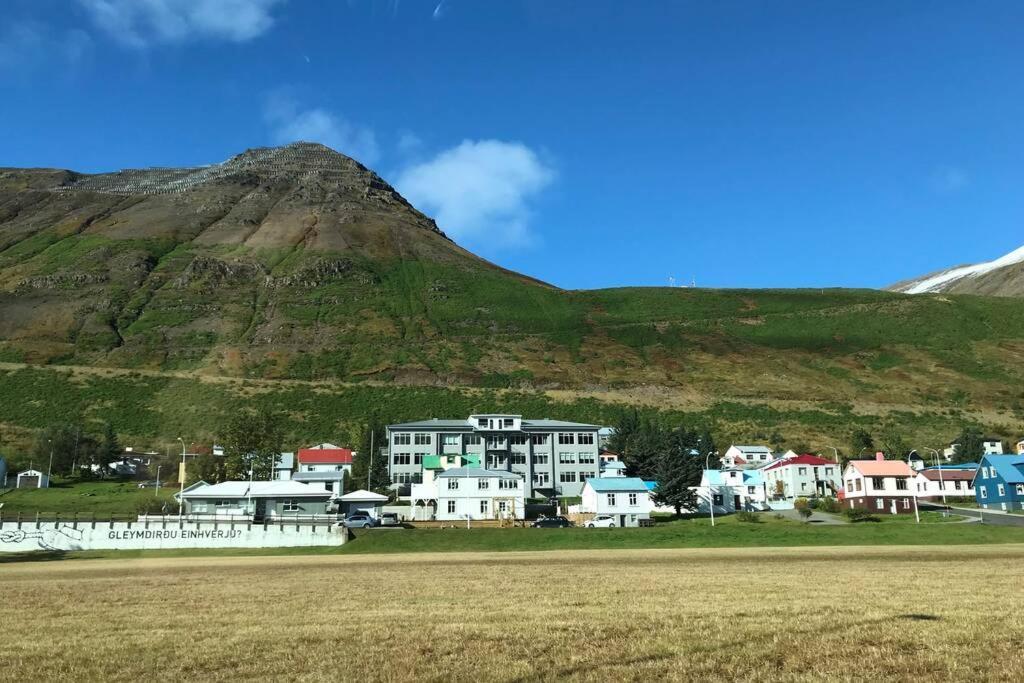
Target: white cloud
{"x":290,"y":123}
{"x":139,"y":23}
{"x":479,"y":190}
{"x":23,"y":44}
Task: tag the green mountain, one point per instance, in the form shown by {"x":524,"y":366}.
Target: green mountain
{"x":299,"y":264}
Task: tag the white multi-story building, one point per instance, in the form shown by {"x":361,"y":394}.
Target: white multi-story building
{"x":801,"y":476}
{"x":469,"y":493}
{"x":553,"y":457}
{"x":625,"y":498}
{"x":747,"y":456}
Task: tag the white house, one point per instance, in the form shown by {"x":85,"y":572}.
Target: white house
{"x":801,"y":476}
{"x":612,"y":468}
{"x":990,"y":446}
{"x":951,"y":481}
{"x":1020,"y":447}
{"x":469,"y":493}
{"x":625,"y":498}
{"x":32,"y":479}
{"x":731,"y":490}
{"x":879,"y":485}
{"x":284,"y":465}
{"x":256,"y":500}
{"x":747,"y":456}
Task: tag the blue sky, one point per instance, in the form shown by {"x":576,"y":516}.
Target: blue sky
{"x":590,"y":144}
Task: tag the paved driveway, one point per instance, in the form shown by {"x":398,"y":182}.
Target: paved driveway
{"x":985,"y":516}
{"x":815,"y":518}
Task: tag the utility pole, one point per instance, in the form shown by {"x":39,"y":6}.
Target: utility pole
{"x":369,"y":471}
{"x":711,"y":490}
{"x":942,"y":484}
{"x":181,"y":476}
{"x":49,"y":469}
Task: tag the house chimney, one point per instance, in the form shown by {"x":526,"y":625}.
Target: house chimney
{"x":879,"y":456}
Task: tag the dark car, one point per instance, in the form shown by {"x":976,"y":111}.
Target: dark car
{"x":552,"y":523}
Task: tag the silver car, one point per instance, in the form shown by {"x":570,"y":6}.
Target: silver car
{"x":360,"y":520}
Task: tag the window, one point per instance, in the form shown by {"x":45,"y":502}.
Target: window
{"x":497,"y":462}
{"x":586,"y":459}
{"x":541,"y":478}
{"x":483,"y":484}
{"x":717,"y":499}
{"x":289,"y":505}
{"x":632,"y":500}
{"x":878,"y":482}
{"x":958,"y":484}
{"x":472,"y":439}
{"x":539,"y":439}
{"x":402,"y":439}
{"x":453,"y":484}
{"x":567,"y":477}
{"x":984,"y":491}
{"x":1002,"y":505}
{"x":402,"y":459}
{"x":611,"y":499}
{"x":1020,"y":489}
{"x":483,"y":422}
{"x":483,"y":507}
{"x":518,"y":458}
{"x":857,"y":482}
{"x":849,"y":487}
{"x":517,"y":439}
{"x":585,"y":438}
{"x":451,"y":440}
{"x":1001,"y":489}
{"x":495,"y":442}
{"x":751,"y":490}
{"x":566,"y":439}
{"x":507,"y":422}
{"x":880,"y":504}
{"x":417,"y":459}
{"x":828,"y":471}
{"x":901,"y":484}
{"x":421,"y":439}
{"x":906,"y":503}
{"x":451,"y":507}
{"x":540,"y":459}
{"x":802,"y":471}
{"x":502,"y":506}
{"x":508,"y":484}
{"x":199,"y":506}
{"x":567,"y":458}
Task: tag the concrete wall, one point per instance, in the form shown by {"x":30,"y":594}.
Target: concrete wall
{"x":61,"y":536}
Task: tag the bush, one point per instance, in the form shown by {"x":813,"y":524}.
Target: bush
{"x":860,"y":515}
{"x":747,"y":516}
{"x":801,"y":504}
{"x":828,"y":504}
{"x":155,"y":506}
{"x":805,"y":513}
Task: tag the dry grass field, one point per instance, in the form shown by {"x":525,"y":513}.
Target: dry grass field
{"x":854,"y":613}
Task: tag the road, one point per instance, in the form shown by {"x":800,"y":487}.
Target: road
{"x":987,"y":516}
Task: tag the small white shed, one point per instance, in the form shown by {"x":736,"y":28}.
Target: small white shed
{"x":362,"y":501}
{"x":32,"y":479}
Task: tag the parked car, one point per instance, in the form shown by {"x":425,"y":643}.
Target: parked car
{"x":605,"y":521}
{"x":552,"y":523}
{"x":360,"y":520}
{"x":389,"y":519}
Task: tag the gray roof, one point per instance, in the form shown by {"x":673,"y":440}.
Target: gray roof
{"x":477,"y":473}
{"x":466,"y":424}
{"x":335,"y":475}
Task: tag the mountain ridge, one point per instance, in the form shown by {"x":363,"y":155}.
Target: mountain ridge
{"x":1003,"y":276}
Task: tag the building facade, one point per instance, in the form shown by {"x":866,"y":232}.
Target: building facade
{"x":802,"y":476}
{"x":731,"y":490}
{"x":627,"y":499}
{"x":469,"y":493}
{"x":553,"y":457}
{"x":999,"y":482}
{"x":256,"y":500}
{"x":879,"y":485}
{"x":747,"y":456}
{"x":947,"y":481}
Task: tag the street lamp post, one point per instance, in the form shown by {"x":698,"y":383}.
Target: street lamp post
{"x":711,"y":490}
{"x":157,"y":494}
{"x":938,"y":465}
{"x":49,"y":469}
{"x":181,"y":476}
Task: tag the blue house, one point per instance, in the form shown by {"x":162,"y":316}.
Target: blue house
{"x":999,"y":482}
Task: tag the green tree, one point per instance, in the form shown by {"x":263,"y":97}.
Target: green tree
{"x":362,"y":477}
{"x":62,"y":441}
{"x":894,"y":445}
{"x":680,"y":466}
{"x":207,"y":467}
{"x":109,"y":448}
{"x":253,"y":441}
{"x":861,"y":442}
{"x":969,"y":446}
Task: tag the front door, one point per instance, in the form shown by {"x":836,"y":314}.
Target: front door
{"x":261,"y":510}
{"x":736,"y":504}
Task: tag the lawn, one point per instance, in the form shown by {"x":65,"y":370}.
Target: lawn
{"x":786,"y":614}
{"x":100,"y":498}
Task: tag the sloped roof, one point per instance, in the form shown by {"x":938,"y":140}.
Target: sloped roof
{"x":332,"y":475}
{"x":882,"y":468}
{"x":613,"y":465}
{"x":627,"y":484}
{"x":325,"y":456}
{"x":1009,"y":467}
{"x":947,"y":475}
{"x":753,"y":449}
{"x":363,"y":496}
{"x":477,"y":473}
{"x":259,"y":489}
{"x":748,"y":478}
{"x":806,"y":459}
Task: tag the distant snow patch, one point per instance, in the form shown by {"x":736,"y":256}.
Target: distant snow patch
{"x":938,"y":283}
